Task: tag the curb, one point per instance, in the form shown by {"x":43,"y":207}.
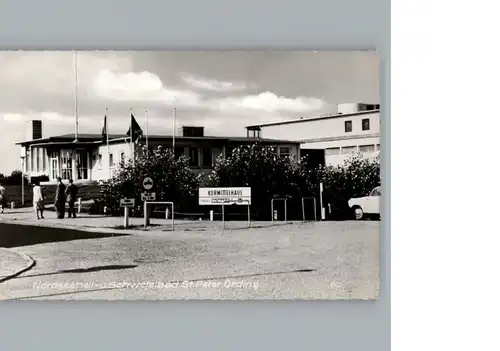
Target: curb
{"x":30,"y":264}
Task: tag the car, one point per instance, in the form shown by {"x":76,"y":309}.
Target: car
{"x":365,"y":206}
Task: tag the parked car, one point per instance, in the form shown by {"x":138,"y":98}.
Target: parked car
{"x":367,"y":205}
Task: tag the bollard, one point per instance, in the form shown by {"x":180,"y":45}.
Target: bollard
{"x":211,"y":215}
{"x":79,"y":204}
{"x":275,"y":215}
{"x":166,"y":213}
{"x":12,"y":205}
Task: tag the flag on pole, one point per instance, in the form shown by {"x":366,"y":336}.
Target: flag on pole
{"x":134,"y":132}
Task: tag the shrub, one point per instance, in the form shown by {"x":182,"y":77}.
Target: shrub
{"x":173,"y":179}
{"x":355,"y":178}
{"x":257,"y":166}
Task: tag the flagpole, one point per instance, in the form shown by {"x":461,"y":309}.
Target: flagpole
{"x":173,"y":130}
{"x":131,"y":135}
{"x":75,"y":59}
{"x":107,"y":142}
{"x":147,"y":131}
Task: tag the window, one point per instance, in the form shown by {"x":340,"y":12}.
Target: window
{"x":365,"y":124}
{"x":375,"y":192}
{"x":207,"y":157}
{"x":193,"y":156}
{"x":367,"y":148}
{"x":378,"y":147}
{"x":111,"y":161}
{"x":229,"y":151}
{"x":122,"y":157}
{"x":66,"y":165}
{"x":349,"y":149}
{"x":332,"y":151}
{"x":99,"y":161}
{"x":348,"y":126}
{"x":285,"y":151}
{"x":81,"y":164}
{"x":254,"y":133}
{"x":54,"y":165}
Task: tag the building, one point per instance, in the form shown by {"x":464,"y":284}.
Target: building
{"x":330,"y":139}
{"x":91,"y":159}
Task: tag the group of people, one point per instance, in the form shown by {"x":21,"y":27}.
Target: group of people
{"x":63,"y":194}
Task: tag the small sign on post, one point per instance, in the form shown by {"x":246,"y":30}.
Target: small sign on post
{"x":145,"y":196}
{"x":147,"y":183}
{"x":127,"y":204}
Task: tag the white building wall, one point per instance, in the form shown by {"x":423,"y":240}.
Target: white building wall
{"x":330,"y":135}
{"x":102,"y":170}
{"x":322,"y":128}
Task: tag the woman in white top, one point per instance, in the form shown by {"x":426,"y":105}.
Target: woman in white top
{"x":38,"y":200}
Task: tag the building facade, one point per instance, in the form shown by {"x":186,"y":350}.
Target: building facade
{"x":90,"y":158}
{"x":354,"y":129}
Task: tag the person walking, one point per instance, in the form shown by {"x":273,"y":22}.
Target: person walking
{"x":38,"y":204}
{"x":3,"y":197}
{"x":71,"y":192}
{"x":60,"y":198}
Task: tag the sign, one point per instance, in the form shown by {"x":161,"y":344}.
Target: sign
{"x":225,"y":196}
{"x":148,"y":196}
{"x":127,"y":202}
{"x":147,"y":183}
{"x":128,"y":189}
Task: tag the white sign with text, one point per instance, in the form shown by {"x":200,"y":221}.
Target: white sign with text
{"x":225,"y":196}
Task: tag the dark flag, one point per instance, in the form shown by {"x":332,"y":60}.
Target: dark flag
{"x":134,"y":131}
{"x":105,"y":130}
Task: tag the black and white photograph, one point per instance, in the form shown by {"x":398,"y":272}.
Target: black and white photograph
{"x":220,"y":175}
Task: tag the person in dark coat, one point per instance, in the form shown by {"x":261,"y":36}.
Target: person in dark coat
{"x":60,"y":199}
{"x":71,"y":192}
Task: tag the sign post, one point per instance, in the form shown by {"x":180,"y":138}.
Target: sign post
{"x":128,"y":200}
{"x":147,"y":184}
{"x":126,"y":204}
{"x":225,"y":196}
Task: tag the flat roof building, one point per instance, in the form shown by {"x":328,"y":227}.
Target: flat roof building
{"x":88,"y":160}
{"x":355,"y":128}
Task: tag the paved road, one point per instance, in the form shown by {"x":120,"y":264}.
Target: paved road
{"x":324,"y":260}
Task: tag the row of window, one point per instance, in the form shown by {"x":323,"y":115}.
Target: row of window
{"x":365,"y":125}
{"x":352,"y":149}
{"x":198,"y":157}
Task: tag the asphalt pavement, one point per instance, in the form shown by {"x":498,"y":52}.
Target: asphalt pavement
{"x":316,"y":260}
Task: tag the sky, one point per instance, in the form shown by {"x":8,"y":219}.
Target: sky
{"x":224,"y":91}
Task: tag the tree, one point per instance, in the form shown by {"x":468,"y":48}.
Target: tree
{"x":173,"y":179}
{"x":356,"y":177}
{"x":259,"y":167}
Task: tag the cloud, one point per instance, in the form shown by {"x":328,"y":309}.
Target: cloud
{"x":139,"y":87}
{"x":269,"y":102}
{"x":214,"y":85}
{"x":51,"y":118}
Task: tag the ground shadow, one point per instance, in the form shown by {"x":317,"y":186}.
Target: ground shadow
{"x":82,"y":270}
{"x":14,"y":235}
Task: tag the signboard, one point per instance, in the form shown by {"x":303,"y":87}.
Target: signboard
{"x":148,"y":196}
{"x":225,"y":196}
{"x":128,"y":189}
{"x":147,"y":183}
{"x":127,"y":202}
